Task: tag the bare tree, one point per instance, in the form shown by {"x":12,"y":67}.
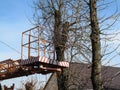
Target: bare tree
{"x":30,"y":83}
{"x":67,"y":25}
{"x":63,"y":18}
{"x":96,"y":31}
{"x":9,"y":88}
{"x":96,"y":48}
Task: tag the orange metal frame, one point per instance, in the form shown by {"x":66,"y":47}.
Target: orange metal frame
{"x":31,"y":41}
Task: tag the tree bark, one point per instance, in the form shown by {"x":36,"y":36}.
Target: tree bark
{"x":63,"y":77}
{"x":60,"y":39}
{"x":96,"y":48}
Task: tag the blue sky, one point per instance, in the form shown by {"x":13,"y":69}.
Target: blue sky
{"x":14,"y":19}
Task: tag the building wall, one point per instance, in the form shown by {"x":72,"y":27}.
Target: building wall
{"x":80,"y":78}
{"x":52,"y":83}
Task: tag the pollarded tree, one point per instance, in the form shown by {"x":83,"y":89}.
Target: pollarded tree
{"x":63,"y":19}
{"x":67,"y":27}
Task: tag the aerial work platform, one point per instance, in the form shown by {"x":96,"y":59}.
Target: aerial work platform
{"x":41,"y":57}
{"x":17,"y":68}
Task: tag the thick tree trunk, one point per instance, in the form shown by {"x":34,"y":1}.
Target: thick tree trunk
{"x":62,"y":80}
{"x":96,"y":48}
{"x":60,"y":39}
{"x":57,"y":35}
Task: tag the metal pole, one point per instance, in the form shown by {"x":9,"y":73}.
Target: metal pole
{"x":22,"y":47}
{"x":29,"y":43}
{"x":38,"y":41}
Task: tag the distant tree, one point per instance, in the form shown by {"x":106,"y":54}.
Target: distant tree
{"x":29,"y":86}
{"x":9,"y":88}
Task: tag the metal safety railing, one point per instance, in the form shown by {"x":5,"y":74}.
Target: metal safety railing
{"x":37,"y":56}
